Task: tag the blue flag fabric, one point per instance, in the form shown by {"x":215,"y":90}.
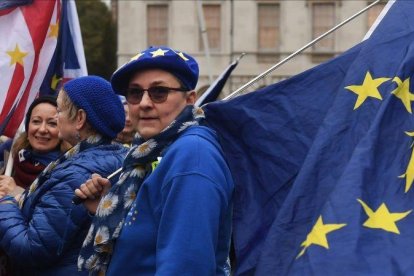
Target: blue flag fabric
{"x":266,"y":136}
{"x":6,"y":4}
{"x":212,"y":93}
{"x":324,"y":163}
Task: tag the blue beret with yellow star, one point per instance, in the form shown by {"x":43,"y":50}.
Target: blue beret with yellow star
{"x":181,"y":65}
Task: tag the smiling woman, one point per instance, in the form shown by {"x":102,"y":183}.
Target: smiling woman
{"x":39,"y":145}
{"x":43,"y":131}
{"x":42,"y":231}
{"x":33,"y":150}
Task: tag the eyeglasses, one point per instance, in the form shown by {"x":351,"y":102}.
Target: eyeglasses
{"x":157,"y":94}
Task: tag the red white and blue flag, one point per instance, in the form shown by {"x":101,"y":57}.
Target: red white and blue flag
{"x":31,"y":36}
{"x":68,"y":61}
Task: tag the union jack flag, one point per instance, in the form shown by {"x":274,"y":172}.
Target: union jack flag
{"x":33,"y":33}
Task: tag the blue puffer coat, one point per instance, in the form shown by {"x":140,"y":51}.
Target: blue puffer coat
{"x":45,"y":236}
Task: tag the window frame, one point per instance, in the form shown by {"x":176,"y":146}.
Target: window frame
{"x":149,"y":24}
{"x":212,"y":47}
{"x":318,"y":53}
{"x":271,"y":54}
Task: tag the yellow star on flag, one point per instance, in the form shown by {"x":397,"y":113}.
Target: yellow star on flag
{"x":182,"y":56}
{"x":409,"y":173}
{"x":318,"y":234}
{"x":403,"y":93}
{"x":159,"y":52}
{"x":54,"y":30}
{"x":382,"y":218}
{"x":16,"y":55}
{"x":55,"y":81}
{"x":137,"y":56}
{"x":369,"y":88}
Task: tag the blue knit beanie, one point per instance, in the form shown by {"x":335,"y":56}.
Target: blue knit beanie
{"x":104,"y":110}
{"x":182,"y":66}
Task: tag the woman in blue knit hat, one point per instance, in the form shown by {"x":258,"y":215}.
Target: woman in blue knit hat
{"x":170,"y":211}
{"x":42,"y":231}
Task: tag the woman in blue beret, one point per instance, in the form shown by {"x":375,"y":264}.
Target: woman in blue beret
{"x":170,"y":211}
{"x":42,"y":231}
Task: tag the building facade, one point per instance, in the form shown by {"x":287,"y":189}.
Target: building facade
{"x":216,"y":32}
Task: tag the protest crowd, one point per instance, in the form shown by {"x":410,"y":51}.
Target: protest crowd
{"x":136,"y":176}
{"x":174,"y":178}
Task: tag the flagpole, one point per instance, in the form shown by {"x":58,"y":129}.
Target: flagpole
{"x":9,"y":166}
{"x":271,"y":69}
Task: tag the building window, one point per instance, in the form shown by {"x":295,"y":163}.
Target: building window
{"x":212,"y":20}
{"x":373,"y":13}
{"x":268,"y":16}
{"x":323,"y":19}
{"x":157,"y":25}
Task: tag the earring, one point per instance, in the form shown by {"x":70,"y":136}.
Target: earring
{"x":77,"y":136}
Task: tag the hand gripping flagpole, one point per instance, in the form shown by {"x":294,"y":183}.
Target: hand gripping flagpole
{"x":9,"y":167}
{"x":271,"y":69}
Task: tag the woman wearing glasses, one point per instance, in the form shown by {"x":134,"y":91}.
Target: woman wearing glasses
{"x":44,"y":231}
{"x":170,"y":212}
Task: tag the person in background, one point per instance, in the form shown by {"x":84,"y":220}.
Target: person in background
{"x":126,"y":136}
{"x":170,"y":211}
{"x":43,"y":232}
{"x":38,"y":145}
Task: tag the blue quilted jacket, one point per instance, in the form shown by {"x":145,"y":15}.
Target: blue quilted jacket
{"x":45,"y":236}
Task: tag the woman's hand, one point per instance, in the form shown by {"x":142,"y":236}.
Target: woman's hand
{"x":92,"y":191}
{"x":7,"y":185}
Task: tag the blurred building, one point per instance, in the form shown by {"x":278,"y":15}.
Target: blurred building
{"x":266,"y":30}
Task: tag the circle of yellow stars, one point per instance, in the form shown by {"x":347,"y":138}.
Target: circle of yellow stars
{"x":158,"y":53}
{"x":370,"y":89}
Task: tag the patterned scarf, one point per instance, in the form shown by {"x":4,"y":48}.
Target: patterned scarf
{"x":28,"y":164}
{"x":113,"y":207}
{"x":26,"y":172}
{"x":36,"y":157}
{"x":91,"y":141}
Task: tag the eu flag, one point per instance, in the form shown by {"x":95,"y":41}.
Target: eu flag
{"x":323,"y":162}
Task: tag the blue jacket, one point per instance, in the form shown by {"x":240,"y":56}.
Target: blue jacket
{"x":180,"y":222}
{"x":45,"y":236}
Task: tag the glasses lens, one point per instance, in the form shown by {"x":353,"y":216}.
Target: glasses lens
{"x":158,"y":94}
{"x":134,"y":95}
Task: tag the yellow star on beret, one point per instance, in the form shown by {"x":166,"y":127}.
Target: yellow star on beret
{"x":137,"y":56}
{"x":182,"y":56}
{"x":159,"y":52}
